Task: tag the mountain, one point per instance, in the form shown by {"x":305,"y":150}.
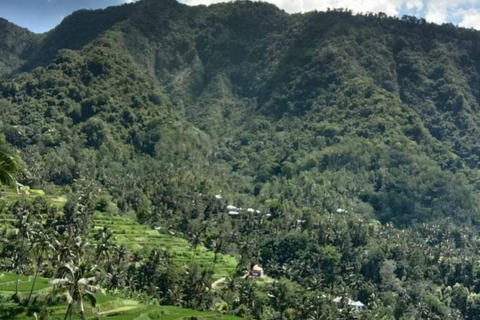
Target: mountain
{"x":272,"y":96}
{"x":16,"y":46}
{"x":305,"y":116}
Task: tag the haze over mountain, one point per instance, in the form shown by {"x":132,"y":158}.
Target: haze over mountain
{"x":304,"y":116}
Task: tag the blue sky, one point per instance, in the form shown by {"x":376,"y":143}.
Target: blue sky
{"x":43,"y":15}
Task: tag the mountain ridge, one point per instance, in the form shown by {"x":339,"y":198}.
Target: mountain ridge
{"x":350,"y":141}
{"x":227,"y":66}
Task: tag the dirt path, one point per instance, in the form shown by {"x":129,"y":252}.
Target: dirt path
{"x":119,"y":309}
{"x":218,"y":282}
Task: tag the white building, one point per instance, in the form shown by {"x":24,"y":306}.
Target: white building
{"x":257,"y":271}
{"x":355,"y":305}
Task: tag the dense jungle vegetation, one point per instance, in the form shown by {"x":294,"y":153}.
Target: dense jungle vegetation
{"x":355,"y":139}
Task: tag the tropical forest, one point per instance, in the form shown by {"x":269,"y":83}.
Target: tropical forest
{"x":234,"y":161}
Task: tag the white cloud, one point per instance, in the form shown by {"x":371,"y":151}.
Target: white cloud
{"x":463,"y":12}
{"x":470,"y":18}
{"x":391,"y":7}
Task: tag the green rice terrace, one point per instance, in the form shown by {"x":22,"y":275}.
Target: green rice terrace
{"x":7,"y":283}
{"x":137,"y":237}
{"x":141,"y":238}
{"x":108,"y":307}
{"x":126,"y":231}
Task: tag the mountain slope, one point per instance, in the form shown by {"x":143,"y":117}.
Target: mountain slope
{"x":350,"y":142}
{"x":263,"y":97}
{"x":16,"y":46}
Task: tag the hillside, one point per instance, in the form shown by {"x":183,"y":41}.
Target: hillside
{"x":350,"y":141}
{"x":16,"y":47}
{"x":265,"y":113}
{"x":125,"y":231}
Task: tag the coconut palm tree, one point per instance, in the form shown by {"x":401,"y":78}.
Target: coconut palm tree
{"x":17,"y":242}
{"x":64,"y":250}
{"x":231,"y":284}
{"x":41,"y":248}
{"x":104,"y":246}
{"x":15,"y":252}
{"x":9,"y":167}
{"x":79,"y":284}
{"x":176,"y":296}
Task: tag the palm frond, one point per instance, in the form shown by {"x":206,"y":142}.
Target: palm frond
{"x":69,"y":298}
{"x":91,"y":298}
{"x":9,"y":167}
{"x":59,"y":282}
{"x":67,"y":268}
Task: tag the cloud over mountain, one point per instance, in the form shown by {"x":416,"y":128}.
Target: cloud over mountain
{"x":465,"y":13}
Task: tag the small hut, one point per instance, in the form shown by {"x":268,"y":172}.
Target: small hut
{"x":257,"y":271}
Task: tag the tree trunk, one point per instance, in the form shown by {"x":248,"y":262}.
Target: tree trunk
{"x":69,"y":309}
{"x":16,"y":282}
{"x":82,"y":309}
{"x":215,"y":256}
{"x":34,"y":280}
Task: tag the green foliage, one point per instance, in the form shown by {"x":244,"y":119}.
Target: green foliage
{"x":16,"y":47}
{"x":354,"y":138}
{"x":9,"y":167}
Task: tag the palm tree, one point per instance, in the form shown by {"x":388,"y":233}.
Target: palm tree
{"x":231,"y":284}
{"x":219,"y":245}
{"x":41,"y":248}
{"x":247,"y":293}
{"x":116,"y":278}
{"x":15,"y":252}
{"x":9,"y":167}
{"x":64,"y":250}
{"x":104,"y":246}
{"x":79,"y":285}
{"x":176,"y":296}
{"x":18,"y":243}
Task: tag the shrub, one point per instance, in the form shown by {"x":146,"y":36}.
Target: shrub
{"x":102,"y":204}
{"x":156,"y":314}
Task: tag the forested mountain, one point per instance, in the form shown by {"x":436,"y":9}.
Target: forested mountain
{"x":356,"y":137}
{"x":16,"y":46}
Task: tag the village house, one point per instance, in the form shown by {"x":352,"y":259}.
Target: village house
{"x":257,"y":271}
{"x":233,"y":213}
{"x":343,"y":301}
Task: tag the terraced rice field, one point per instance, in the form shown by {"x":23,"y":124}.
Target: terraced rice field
{"x":118,"y":309}
{"x":8,"y":280}
{"x":138,"y":238}
{"x":141,"y":238}
{"x":108,"y":307}
{"x":169,"y":313}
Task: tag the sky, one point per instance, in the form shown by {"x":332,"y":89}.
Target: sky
{"x":42,"y":15}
